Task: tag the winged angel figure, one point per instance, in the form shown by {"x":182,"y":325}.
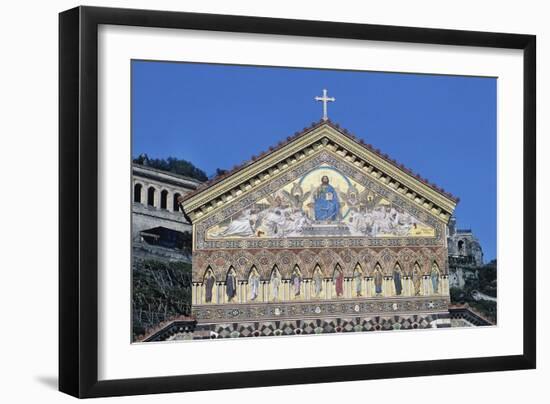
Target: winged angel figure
{"x":296,"y":197}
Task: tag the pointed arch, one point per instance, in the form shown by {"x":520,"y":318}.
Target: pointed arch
{"x":275,"y":283}
{"x":358,"y":279}
{"x":397,"y":278}
{"x":435,"y":275}
{"x":338,"y":279}
{"x":337,"y":268}
{"x":208,"y":271}
{"x":417,"y":276}
{"x":231,"y":271}
{"x":378,"y":267}
{"x":253,"y":270}
{"x":317,"y":280}
{"x":318,"y":269}
{"x":275,"y":270}
{"x":416,"y":267}
{"x":254,"y":282}
{"x":231,"y":283}
{"x":296,"y":280}
{"x":208,"y":281}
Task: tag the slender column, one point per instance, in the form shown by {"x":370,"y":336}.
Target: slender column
{"x":143,"y":195}
{"x":224,"y":293}
{"x":261,"y":291}
{"x":169,"y":201}
{"x":431,"y":291}
{"x":390,"y":286}
{"x":405,"y":291}
{"x":424,"y":285}
{"x":156,"y":198}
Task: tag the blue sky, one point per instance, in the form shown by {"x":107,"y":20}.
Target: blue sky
{"x":443,"y":127}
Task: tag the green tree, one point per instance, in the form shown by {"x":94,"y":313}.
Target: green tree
{"x":173,"y":165}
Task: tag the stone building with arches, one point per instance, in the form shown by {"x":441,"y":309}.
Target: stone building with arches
{"x":158,"y":225}
{"x":321,"y":233}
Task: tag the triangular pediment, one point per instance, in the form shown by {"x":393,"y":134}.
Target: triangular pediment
{"x":274,"y":175}
{"x":326,"y":197}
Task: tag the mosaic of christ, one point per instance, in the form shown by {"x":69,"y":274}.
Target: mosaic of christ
{"x":324,"y":202}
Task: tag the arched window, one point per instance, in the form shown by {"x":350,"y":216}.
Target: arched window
{"x":460,"y":246}
{"x":337,"y":270}
{"x":151,"y":196}
{"x":164,"y":199}
{"x":176,"y":203}
{"x":137,"y":192}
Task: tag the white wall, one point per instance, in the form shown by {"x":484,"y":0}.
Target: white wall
{"x":28,"y":167}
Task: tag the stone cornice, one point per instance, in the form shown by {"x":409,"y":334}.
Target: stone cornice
{"x":143,"y":172}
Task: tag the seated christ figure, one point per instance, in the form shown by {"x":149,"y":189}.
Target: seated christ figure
{"x":326,"y":204}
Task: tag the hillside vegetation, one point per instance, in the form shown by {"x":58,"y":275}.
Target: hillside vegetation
{"x":161,"y":290}
{"x":484,"y":281}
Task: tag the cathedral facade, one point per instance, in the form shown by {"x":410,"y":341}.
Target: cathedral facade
{"x":321,"y":233}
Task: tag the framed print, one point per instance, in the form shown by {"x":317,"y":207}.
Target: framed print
{"x":251,"y":201}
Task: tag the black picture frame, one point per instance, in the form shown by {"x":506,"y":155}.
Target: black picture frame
{"x":78,"y":196}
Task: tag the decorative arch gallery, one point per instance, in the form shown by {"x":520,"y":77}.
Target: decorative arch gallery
{"x":321,"y":226}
